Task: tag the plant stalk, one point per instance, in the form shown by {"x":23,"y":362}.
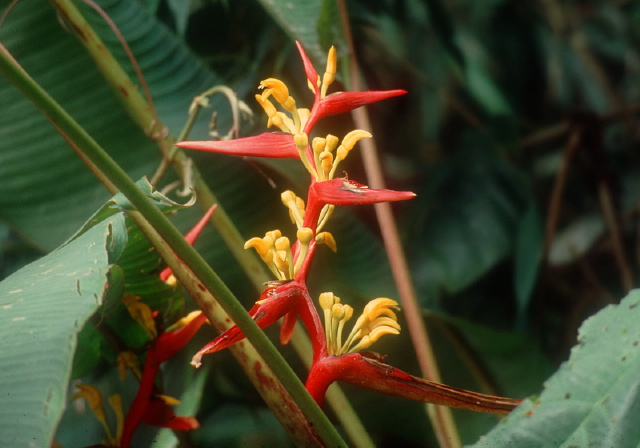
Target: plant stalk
{"x":208,"y":279}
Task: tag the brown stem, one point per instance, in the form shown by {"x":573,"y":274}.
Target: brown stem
{"x":555,"y":203}
{"x":613,"y":225}
{"x":441,"y":417}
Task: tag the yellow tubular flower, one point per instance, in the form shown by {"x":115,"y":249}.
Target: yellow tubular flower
{"x":259,"y":244}
{"x":302,"y":141}
{"x":115,"y":401}
{"x":286,"y":124}
{"x":327,"y":300}
{"x":94,"y":398}
{"x":376,"y":320}
{"x":327,"y":238}
{"x":300,"y":206}
{"x":184,"y":320}
{"x":295,"y":206}
{"x":265,"y":248}
{"x":284,"y":260}
{"x":326,"y":164}
{"x":141,"y":313}
{"x":332,"y":142}
{"x":348,"y":142}
{"x":318,"y":145}
{"x":279,"y":90}
{"x":325,"y":214}
{"x":268,"y":107}
{"x":128,"y":361}
{"x":330,"y":72}
{"x":303,"y":115}
{"x":304,"y":235}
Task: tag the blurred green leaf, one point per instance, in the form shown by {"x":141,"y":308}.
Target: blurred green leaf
{"x":592,"y":400}
{"x":313,"y":23}
{"x":44,"y":307}
{"x":528,"y":253}
{"x":47,"y":192}
{"x":468,"y":215}
{"x":487,"y":360}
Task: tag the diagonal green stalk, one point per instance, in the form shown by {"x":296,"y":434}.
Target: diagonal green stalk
{"x":144,"y":116}
{"x":208,"y":280}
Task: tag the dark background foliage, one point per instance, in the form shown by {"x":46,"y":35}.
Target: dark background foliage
{"x":519,"y":133}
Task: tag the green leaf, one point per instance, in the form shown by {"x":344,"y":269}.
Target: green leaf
{"x":44,"y":307}
{"x":467,"y":219}
{"x":474,"y":357}
{"x":593,"y":399}
{"x":312,"y":23}
{"x":528,"y":253}
{"x":444,"y":28}
{"x":47,"y":192}
{"x":160,"y":200}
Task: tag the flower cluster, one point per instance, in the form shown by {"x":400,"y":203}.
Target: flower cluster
{"x":288,"y":296}
{"x":150,"y":405}
{"x":321,"y":157}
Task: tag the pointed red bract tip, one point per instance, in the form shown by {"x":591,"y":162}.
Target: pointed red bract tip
{"x":267,"y":144}
{"x":193,"y":234}
{"x":340,"y":191}
{"x":309,"y":69}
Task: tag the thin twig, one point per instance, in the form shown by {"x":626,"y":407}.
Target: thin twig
{"x":555,"y":203}
{"x":441,"y":417}
{"x":613,"y":225}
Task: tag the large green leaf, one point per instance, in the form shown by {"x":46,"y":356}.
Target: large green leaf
{"x":46,"y":191}
{"x":44,"y":307}
{"x":593,"y":399}
{"x":312,"y":22}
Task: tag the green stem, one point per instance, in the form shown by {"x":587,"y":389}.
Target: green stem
{"x":144,"y":116}
{"x":208,"y":278}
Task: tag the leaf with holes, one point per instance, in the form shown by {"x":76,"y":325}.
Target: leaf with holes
{"x":43,"y":308}
{"x":594,"y":398}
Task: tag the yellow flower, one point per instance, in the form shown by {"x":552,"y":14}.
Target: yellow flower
{"x":94,"y":398}
{"x":377,"y":319}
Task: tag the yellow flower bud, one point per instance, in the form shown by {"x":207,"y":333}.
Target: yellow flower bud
{"x":327,"y":299}
{"x":330,"y":72}
{"x":327,"y":238}
{"x":353,"y":137}
{"x":260,"y":245}
{"x":301,"y":140}
{"x":304,"y":235}
{"x":276,"y":88}
{"x":282,"y":244}
{"x":318,"y":144}
{"x":332,"y":142}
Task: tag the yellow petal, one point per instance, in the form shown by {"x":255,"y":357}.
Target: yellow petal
{"x":354,"y":137}
{"x":276,"y":88}
{"x":260,"y":245}
{"x":184,"y":321}
{"x":327,"y":238}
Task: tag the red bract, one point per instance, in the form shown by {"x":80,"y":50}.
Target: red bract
{"x":340,"y":191}
{"x":339,"y":102}
{"x":342,"y":102}
{"x":148,"y":408}
{"x":290,"y":299}
{"x":191,"y":237}
{"x":278,"y":145}
{"x":366,"y":370}
{"x":347,"y":192}
{"x":268,"y":144}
